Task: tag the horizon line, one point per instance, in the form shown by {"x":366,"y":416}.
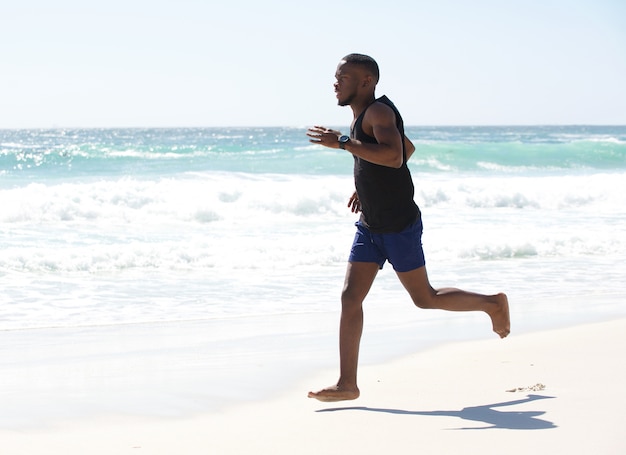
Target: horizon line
{"x":460,"y":125}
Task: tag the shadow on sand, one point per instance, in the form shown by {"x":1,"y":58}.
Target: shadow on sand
{"x":512,"y":420}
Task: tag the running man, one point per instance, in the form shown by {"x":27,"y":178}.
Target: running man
{"x":390,"y":225}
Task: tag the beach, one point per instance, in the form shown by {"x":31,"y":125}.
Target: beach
{"x":177,"y":291}
{"x":550,"y":391}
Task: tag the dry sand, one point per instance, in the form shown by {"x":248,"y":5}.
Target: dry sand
{"x":561,"y":391}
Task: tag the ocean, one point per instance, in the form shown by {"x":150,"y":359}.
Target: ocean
{"x":213,"y":256}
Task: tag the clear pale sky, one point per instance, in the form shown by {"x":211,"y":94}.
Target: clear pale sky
{"x":118,"y":63}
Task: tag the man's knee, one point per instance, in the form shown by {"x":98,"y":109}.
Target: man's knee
{"x":423,"y":303}
{"x":423,"y":298}
{"x":350,"y":299}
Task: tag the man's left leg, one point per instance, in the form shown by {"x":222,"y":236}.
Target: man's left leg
{"x":451,"y":299}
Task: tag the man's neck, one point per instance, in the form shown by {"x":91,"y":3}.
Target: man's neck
{"x":358,"y":106}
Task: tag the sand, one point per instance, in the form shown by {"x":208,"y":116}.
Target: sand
{"x":558,"y":391}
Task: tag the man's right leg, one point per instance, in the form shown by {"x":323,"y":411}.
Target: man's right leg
{"x":359,"y":279}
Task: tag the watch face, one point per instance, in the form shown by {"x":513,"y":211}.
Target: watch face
{"x":343,"y":140}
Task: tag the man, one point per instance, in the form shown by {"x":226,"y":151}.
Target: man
{"x":390,"y":226}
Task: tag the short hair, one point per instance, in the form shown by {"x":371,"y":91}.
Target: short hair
{"x":366,"y":61}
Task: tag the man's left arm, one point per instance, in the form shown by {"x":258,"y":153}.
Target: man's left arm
{"x":409,"y":147}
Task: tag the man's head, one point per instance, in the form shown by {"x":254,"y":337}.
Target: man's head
{"x":357,"y":75}
{"x":366,"y":62}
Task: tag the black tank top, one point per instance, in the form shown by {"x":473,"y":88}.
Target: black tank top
{"x":385,"y":193}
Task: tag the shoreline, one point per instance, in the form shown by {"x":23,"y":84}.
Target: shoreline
{"x":568,"y":383}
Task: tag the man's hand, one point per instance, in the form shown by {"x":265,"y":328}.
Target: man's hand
{"x":354,"y":203}
{"x":324,"y":136}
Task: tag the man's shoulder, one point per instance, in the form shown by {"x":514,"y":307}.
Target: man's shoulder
{"x":382,"y":108}
{"x":388,"y":108}
{"x":387,"y":102}
{"x":381,"y":101}
{"x":381,"y":105}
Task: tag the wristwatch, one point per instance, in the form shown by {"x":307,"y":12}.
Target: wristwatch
{"x":343,"y":140}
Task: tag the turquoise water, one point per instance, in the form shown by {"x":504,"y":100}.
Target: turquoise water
{"x":133,"y":201}
{"x":45,"y":154}
{"x":86,"y":211}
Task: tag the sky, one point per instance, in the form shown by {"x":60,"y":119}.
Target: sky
{"x":207,"y":63}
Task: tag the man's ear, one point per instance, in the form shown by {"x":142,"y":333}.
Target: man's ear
{"x":367,"y":81}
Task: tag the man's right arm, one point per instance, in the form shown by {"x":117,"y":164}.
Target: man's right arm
{"x":379,"y":122}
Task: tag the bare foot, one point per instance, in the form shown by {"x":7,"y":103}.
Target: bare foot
{"x":500,"y":316}
{"x":335,"y":393}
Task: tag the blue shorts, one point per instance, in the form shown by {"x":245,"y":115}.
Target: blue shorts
{"x":403,"y":249}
